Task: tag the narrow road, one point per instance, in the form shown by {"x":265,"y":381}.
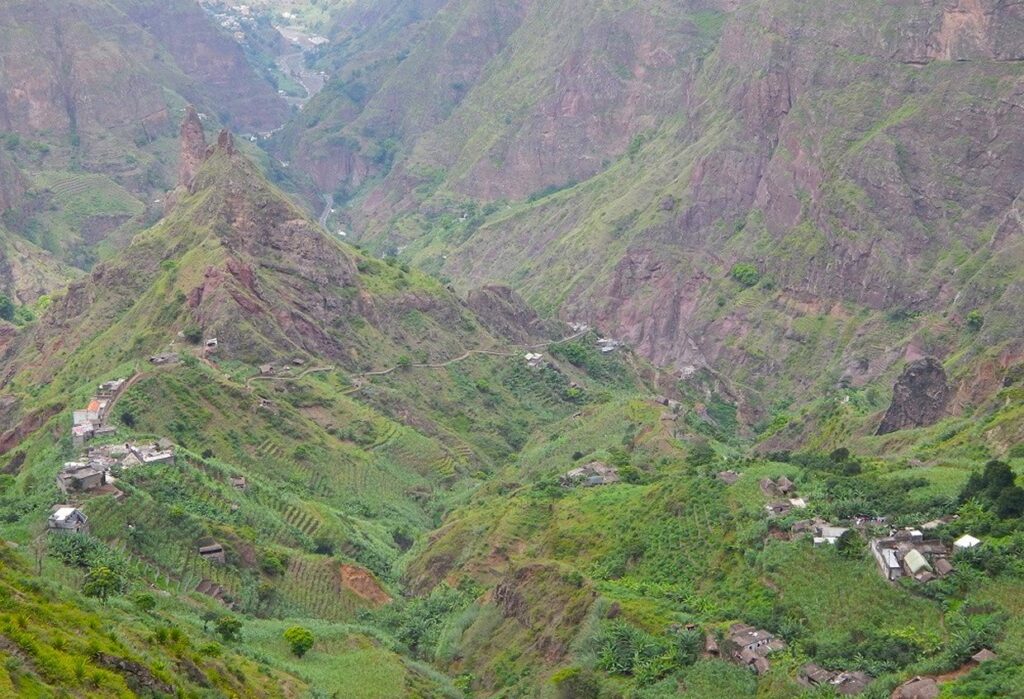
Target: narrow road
{"x":441,"y":365}
{"x":328,"y":205}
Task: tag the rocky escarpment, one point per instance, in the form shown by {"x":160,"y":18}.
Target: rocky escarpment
{"x":919,"y":397}
{"x":506,"y":314}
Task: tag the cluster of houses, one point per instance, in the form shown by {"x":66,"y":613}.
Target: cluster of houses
{"x":91,"y":422}
{"x":593,"y":474}
{"x":783,"y":494}
{"x":907,"y":553}
{"x":92,"y":474}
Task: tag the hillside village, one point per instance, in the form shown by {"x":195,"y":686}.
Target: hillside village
{"x":898,"y":553}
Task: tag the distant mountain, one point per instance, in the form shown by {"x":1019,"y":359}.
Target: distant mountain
{"x":91,"y":92}
{"x":794,"y":201}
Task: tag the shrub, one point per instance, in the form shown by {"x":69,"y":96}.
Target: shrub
{"x":6,"y":308}
{"x":193,"y":333}
{"x":144,"y":602}
{"x":745,"y":273}
{"x":574,"y":683}
{"x":228,"y":627}
{"x":975,"y":320}
{"x":101,"y":582}
{"x":300,"y":639}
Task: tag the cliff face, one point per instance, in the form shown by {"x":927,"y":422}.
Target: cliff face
{"x":219,"y":75}
{"x":919,"y":398}
{"x":868,"y":171}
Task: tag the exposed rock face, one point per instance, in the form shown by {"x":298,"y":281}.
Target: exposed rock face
{"x":505,"y":313}
{"x":12,"y":184}
{"x":919,"y":398}
{"x":138,"y":676}
{"x":756,"y":140}
{"x":193,"y":147}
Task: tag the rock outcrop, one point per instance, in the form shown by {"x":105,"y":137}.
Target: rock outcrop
{"x":505,"y":313}
{"x":919,"y":397}
{"x":193,"y":147}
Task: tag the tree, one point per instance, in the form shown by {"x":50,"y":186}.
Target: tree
{"x":998,"y":476}
{"x":6,"y":307}
{"x":300,"y":639}
{"x":127,"y":418}
{"x":745,"y":273}
{"x":850,"y":544}
{"x":193,"y":333}
{"x":228,"y":627}
{"x":144,"y":602}
{"x":101,"y":582}
{"x":1010,"y":502}
{"x":975,"y":320}
{"x":208,"y":616}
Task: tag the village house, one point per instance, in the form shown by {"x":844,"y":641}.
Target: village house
{"x":77,"y":476}
{"x":782,"y":487}
{"x":778,"y":509}
{"x":238,"y":482}
{"x":212,"y":344}
{"x":68,"y":520}
{"x":534,"y":360}
{"x":163,"y":359}
{"x":728,"y":477}
{"x":966,"y":542}
{"x":847,"y":683}
{"x":593,"y":474}
{"x":81,"y":433}
{"x":160,"y":452}
{"x":748,"y":646}
{"x":983,"y":656}
{"x":213,"y":552}
{"x":828,"y":534}
{"x":917,"y":688}
{"x":266,"y":369}
{"x":110,"y":389}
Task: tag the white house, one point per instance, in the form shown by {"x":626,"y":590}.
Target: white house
{"x":966,"y":542}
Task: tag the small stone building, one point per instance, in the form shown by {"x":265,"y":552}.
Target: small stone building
{"x":68,"y":520}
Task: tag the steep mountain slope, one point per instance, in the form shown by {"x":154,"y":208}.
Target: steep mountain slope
{"x":616,"y":165}
{"x":357,"y":400}
{"x":26,"y":272}
{"x":90,"y":93}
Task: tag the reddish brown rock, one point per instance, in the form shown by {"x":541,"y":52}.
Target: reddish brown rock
{"x":193,"y":147}
{"x":919,"y":398}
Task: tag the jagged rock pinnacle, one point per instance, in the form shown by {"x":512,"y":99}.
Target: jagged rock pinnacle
{"x":226,"y":142}
{"x":193,"y":147}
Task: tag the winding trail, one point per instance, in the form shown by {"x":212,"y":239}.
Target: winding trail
{"x":440,"y":365}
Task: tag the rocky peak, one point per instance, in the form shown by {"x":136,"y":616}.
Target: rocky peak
{"x":919,"y":397}
{"x":226,"y":142}
{"x":193,"y":147}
